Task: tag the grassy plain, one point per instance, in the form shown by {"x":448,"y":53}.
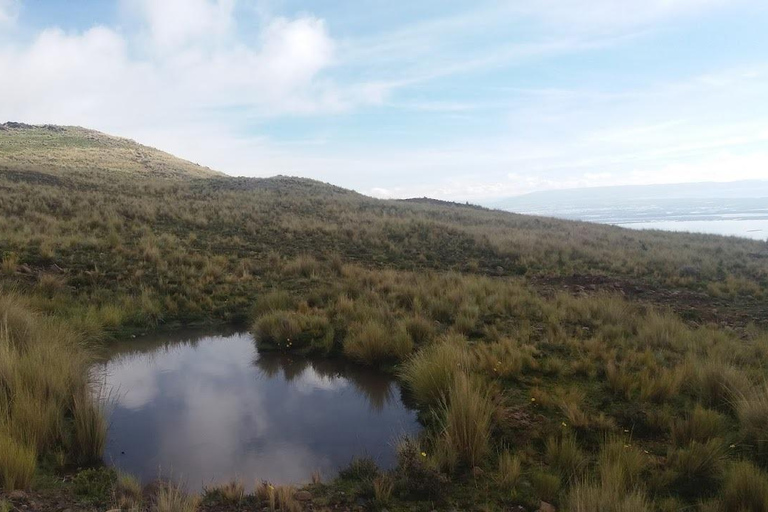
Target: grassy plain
{"x":588,"y":366}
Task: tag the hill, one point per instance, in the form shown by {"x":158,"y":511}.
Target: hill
{"x":73,"y":150}
{"x":563,"y":360}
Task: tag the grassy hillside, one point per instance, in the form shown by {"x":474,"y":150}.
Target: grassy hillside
{"x":585,"y":365}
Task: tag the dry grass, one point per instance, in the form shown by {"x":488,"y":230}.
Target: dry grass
{"x":128,"y":495}
{"x":171,"y":498}
{"x":45,"y":404}
{"x":17,"y":463}
{"x":467,"y":414}
{"x":509,"y":469}
{"x":752,"y":411}
{"x":373,"y":342}
{"x":383,"y":485}
{"x":745,"y":489}
{"x":430,"y":372}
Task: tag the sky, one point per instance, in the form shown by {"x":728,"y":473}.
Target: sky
{"x":465,"y":101}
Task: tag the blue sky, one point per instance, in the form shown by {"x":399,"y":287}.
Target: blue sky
{"x":458,"y":100}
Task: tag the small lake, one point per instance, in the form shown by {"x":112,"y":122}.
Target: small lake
{"x":205,"y":408}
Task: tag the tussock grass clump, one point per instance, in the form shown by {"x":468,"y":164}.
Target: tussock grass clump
{"x":231,"y":493}
{"x":467,"y":413}
{"x":372,"y":342}
{"x":293,"y":330}
{"x":90,"y":430}
{"x":752,"y":411}
{"x":506,"y":358}
{"x":745,"y":489}
{"x":276,"y":300}
{"x":383,"y":485}
{"x":698,"y":466}
{"x":604,"y":497}
{"x":720,"y":384}
{"x":17,"y":463}
{"x":564,"y":455}
{"x":431,"y":371}
{"x":663,"y":331}
{"x":127,"y":491}
{"x":45,"y":404}
{"x":171,"y":498}
{"x":509,"y":469}
{"x":700,"y":425}
{"x":619,"y":484}
{"x":621,"y":464}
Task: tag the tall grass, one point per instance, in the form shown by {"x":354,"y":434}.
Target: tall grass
{"x":45,"y":404}
{"x":431,"y":371}
{"x":745,"y":489}
{"x":17,"y":463}
{"x":467,"y":413}
{"x":172,"y":498}
{"x":752,"y":411}
{"x":373,"y":342}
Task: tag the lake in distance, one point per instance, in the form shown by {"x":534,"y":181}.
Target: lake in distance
{"x":204,"y":409}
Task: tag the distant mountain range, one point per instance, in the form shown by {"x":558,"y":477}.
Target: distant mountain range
{"x":642,"y":203}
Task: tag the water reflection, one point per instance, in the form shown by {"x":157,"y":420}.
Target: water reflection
{"x":206,"y":408}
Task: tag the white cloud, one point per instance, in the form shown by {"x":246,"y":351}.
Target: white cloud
{"x":174,"y":23}
{"x":97,"y":78}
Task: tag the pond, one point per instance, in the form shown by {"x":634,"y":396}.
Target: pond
{"x":205,"y":408}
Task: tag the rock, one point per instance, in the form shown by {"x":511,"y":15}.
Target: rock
{"x":546,"y":507}
{"x":17,"y":495}
{"x":303,"y":496}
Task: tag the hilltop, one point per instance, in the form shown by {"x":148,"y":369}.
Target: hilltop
{"x":70,"y":149}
